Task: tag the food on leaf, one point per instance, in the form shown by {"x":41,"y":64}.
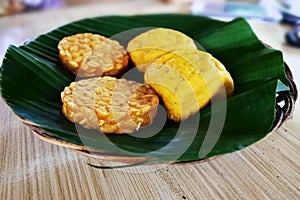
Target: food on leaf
{"x":109,"y":105}
{"x":90,"y":55}
{"x":184,"y":77}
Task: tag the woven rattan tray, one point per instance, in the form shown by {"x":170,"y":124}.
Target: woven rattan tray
{"x":285,"y":102}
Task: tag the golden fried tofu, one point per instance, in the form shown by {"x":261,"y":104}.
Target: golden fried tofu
{"x":147,"y":47}
{"x":90,"y":55}
{"x":186,"y":80}
{"x":110,"y":105}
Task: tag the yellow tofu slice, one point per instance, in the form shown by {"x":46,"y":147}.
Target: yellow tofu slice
{"x":147,"y":47}
{"x":186,"y":80}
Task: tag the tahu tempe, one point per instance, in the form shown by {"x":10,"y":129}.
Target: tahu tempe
{"x":90,"y":55}
{"x":110,"y":105}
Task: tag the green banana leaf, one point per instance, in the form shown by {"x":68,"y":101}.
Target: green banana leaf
{"x":32,"y":79}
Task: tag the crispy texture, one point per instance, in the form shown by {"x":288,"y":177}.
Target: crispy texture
{"x":110,"y":105}
{"x":147,"y":47}
{"x":187,"y":80}
{"x":90,"y":55}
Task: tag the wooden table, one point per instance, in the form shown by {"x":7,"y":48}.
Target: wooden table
{"x":33,"y":169}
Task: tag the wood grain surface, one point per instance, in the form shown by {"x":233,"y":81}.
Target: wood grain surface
{"x":31,"y":168}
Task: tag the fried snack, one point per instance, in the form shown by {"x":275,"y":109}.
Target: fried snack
{"x":187,"y":80}
{"x":109,"y":105}
{"x":90,"y":55}
{"x":147,"y":47}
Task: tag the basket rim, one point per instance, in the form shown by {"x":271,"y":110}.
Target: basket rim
{"x":285,"y":101}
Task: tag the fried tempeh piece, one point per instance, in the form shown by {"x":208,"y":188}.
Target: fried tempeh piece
{"x":110,"y":105}
{"x":90,"y":55}
{"x":147,"y":47}
{"x":186,"y":81}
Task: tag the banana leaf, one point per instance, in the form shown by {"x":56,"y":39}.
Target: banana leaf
{"x":31,"y":81}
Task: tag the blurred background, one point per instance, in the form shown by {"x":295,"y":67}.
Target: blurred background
{"x":268,"y":10}
{"x":15,"y":13}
